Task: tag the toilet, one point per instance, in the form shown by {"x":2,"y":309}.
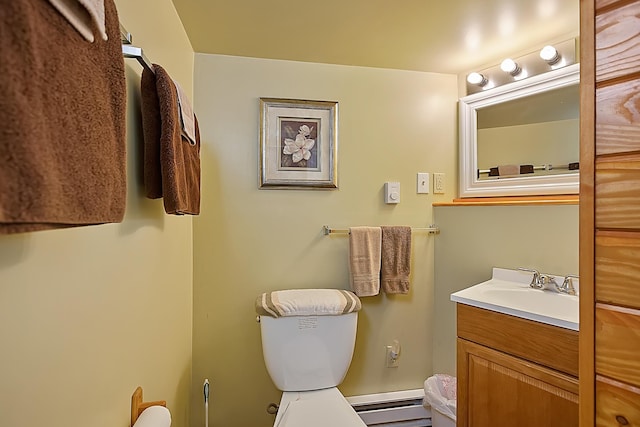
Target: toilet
{"x":308,"y":336}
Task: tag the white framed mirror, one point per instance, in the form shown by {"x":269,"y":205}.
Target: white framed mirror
{"x":522,"y":138}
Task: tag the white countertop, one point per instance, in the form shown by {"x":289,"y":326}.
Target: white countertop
{"x":508,"y":292}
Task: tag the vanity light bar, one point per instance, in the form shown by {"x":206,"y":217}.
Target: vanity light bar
{"x":511,"y":69}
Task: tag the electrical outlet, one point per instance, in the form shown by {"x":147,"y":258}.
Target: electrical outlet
{"x":391,"y":360}
{"x":438,"y":183}
{"x":423,"y":183}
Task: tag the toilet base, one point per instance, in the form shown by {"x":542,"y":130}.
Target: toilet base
{"x":316,"y":408}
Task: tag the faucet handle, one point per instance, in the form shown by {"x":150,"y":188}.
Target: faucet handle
{"x":535,"y":280}
{"x":567,"y":284}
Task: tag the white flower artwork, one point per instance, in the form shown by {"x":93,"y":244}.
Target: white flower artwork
{"x":298,"y":144}
{"x":300,"y":148}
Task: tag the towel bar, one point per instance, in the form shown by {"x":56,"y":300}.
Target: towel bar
{"x":132,"y":51}
{"x":432,"y":229}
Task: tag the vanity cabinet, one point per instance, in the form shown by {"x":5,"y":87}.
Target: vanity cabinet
{"x":515,"y":372}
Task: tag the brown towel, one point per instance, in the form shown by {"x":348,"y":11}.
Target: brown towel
{"x":364,"y":260}
{"x":171,"y":161}
{"x":396,"y":259}
{"x":524,"y":169}
{"x":63,"y":110}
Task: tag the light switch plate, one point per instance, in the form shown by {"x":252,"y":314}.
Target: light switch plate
{"x":423,"y":183}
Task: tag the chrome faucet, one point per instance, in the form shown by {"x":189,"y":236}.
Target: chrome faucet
{"x":535,"y":280}
{"x":567,"y":285}
{"x":541,"y":281}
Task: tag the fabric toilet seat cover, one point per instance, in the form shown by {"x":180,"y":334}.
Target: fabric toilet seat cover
{"x":307,"y":302}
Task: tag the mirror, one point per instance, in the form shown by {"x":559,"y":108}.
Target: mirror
{"x":522,"y":138}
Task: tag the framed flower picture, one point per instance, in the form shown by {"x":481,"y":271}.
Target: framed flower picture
{"x":298,"y":144}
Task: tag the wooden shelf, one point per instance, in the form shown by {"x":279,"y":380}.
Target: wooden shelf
{"x":562,"y":199}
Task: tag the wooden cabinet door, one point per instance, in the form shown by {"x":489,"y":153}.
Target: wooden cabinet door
{"x":498,"y":390}
{"x":618,"y":404}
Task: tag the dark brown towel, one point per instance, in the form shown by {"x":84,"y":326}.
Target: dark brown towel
{"x":171,"y":162}
{"x":62,"y":126}
{"x":396,"y":259}
{"x":524,"y":169}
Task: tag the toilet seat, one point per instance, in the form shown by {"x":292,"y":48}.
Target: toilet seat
{"x":316,"y":408}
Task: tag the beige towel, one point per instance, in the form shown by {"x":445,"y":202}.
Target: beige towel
{"x":187,"y":118}
{"x":365,"y":244}
{"x":508,"y":170}
{"x":396,"y":259}
{"x":83,"y":15}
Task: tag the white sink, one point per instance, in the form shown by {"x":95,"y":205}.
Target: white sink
{"x":508,"y":292}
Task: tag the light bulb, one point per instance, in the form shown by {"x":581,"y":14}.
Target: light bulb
{"x":510,"y":66}
{"x":550,"y":54}
{"x":477,"y":79}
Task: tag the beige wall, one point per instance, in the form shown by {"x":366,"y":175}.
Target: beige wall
{"x":474,"y":239}
{"x":89,"y":314}
{"x":392,"y":124}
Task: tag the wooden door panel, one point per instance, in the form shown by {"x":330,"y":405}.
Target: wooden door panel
{"x":617,"y":268}
{"x":507,"y":391}
{"x":617,"y":343}
{"x":617,"y":43}
{"x":604,"y":3}
{"x":617,"y":192}
{"x":616,"y":403}
{"x":618,"y":118}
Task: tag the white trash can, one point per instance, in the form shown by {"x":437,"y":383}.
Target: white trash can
{"x":440,"y":393}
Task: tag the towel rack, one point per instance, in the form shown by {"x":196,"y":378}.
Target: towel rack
{"x":547,"y":167}
{"x":130,"y":51}
{"x":432,"y":229}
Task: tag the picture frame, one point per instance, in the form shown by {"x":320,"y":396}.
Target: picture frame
{"x":298,"y":144}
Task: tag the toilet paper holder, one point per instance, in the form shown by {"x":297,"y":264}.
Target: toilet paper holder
{"x":137,"y":405}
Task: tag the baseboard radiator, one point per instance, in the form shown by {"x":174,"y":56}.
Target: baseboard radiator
{"x":392,"y":409}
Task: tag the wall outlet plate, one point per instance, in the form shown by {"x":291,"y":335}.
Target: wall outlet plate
{"x":391,"y":360}
{"x":438,"y":183}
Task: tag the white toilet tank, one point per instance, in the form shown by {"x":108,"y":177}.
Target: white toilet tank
{"x":310,"y":344}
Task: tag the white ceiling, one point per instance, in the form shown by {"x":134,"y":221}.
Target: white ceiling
{"x":447,"y":36}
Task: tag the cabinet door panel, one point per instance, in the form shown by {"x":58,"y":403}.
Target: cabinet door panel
{"x":618,"y":118}
{"x":617,"y":44}
{"x":617,"y":343}
{"x":616,"y":404}
{"x":617,"y":268}
{"x":502,"y":390}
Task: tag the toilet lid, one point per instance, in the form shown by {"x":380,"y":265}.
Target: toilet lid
{"x":318,"y":408}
